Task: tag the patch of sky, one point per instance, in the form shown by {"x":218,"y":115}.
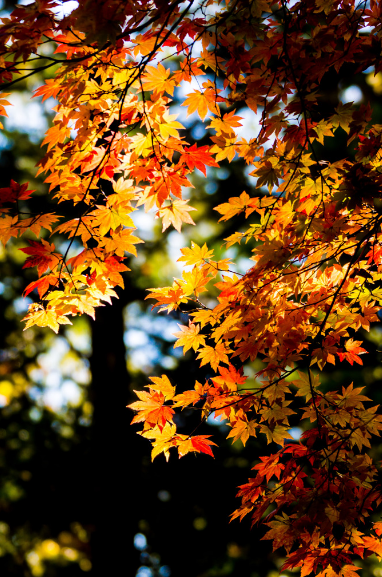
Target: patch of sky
{"x":243,"y":265}
{"x":59,"y":373}
{"x":369,"y":70}
{"x":247,"y":170}
{"x":352,"y":93}
{"x":211,"y":187}
{"x":71,"y":392}
{"x":217,"y":421}
{"x":79,"y":336}
{"x":250,"y":123}
{"x":65,"y":9}
{"x":175,"y":242}
{"x":198,"y":131}
{"x":222,"y":173}
{"x":5,"y":143}
{"x":140,"y":541}
{"x":20,"y":305}
{"x":168,"y":363}
{"x":144,"y":571}
{"x":150,"y":324}
{"x":72,"y":246}
{"x":295,"y":433}
{"x":142,"y":328}
{"x":144,"y":221}
{"x":205,"y":230}
{"x":135,"y":338}
{"x":213,"y":420}
{"x":25,"y":116}
{"x":145,"y":358}
{"x":164,"y":496}
{"x":35,"y":414}
{"x":291,"y":3}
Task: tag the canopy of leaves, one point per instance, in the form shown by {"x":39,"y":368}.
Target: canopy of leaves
{"x":314,"y":229}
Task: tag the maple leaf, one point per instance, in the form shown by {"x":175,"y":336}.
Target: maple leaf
{"x":191,"y":397}
{"x":169,"y":126}
{"x":156,"y":78}
{"x":343,"y":116}
{"x":236,"y":205}
{"x":267,"y":175}
{"x":42,"y":255}
{"x":242,"y":429}
{"x":203,"y":101}
{"x":226,"y":124}
{"x":323,"y":129}
{"x":281,"y":533}
{"x":163,"y":385}
{"x":176,"y":213}
{"x":163,"y":439}
{"x":42,"y":285}
{"x":196,"y":101}
{"x":45,"y":318}
{"x":276,"y":433}
{"x":353,"y":350}
{"x":195,"y":255}
{"x":306,"y":386}
{"x":189,"y":337}
{"x":229,"y":378}
{"x":50,"y":90}
{"x":121,"y":242}
{"x":151,"y":409}
{"x":8,"y":227}
{"x":213,"y":355}
{"x":270,"y":466}
{"x":196,"y":444}
{"x":194,"y":282}
{"x":15,"y":192}
{"x":195,"y":157}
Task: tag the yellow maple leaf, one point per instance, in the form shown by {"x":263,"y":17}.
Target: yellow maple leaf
{"x":189,"y":337}
{"x":214,"y":355}
{"x":176,"y":213}
{"x":169,"y":126}
{"x":45,"y":318}
{"x":163,"y":439}
{"x":323,"y":128}
{"x":163,"y":385}
{"x":194,"y":282}
{"x":195,"y":255}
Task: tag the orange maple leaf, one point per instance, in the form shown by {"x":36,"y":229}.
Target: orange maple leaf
{"x":151,"y":409}
{"x":195,"y":157}
{"x":196,"y":444}
{"x":352,"y":351}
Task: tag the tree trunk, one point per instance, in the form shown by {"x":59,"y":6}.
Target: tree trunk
{"x":114,"y":456}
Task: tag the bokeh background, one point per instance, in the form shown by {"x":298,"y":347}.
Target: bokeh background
{"x":78,"y":492}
